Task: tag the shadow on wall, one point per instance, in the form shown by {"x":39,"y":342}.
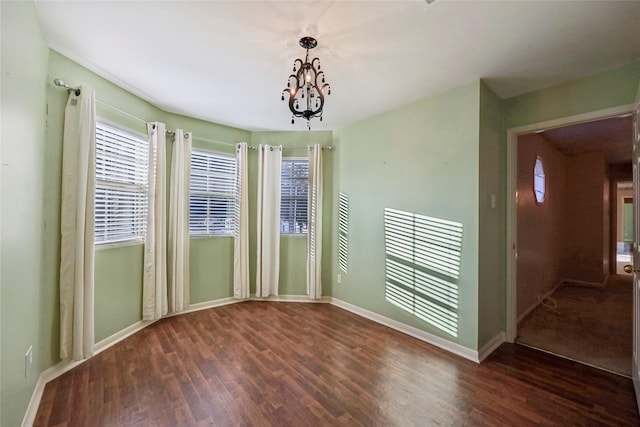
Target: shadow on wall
{"x":422,"y":260}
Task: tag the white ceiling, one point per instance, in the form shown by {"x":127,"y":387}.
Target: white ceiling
{"x":228,"y":61}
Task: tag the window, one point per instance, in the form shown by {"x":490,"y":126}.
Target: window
{"x":539,"y":184}
{"x":122,"y":160}
{"x":294,"y":187}
{"x":213,"y":193}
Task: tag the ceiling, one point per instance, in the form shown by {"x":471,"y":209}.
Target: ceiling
{"x":228,"y":61}
{"x":612,"y":136}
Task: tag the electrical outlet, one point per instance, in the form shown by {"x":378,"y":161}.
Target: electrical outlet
{"x":339,"y":279}
{"x":28,"y":361}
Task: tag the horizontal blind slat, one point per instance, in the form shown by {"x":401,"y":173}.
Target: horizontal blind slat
{"x":121,"y":185}
{"x":213,"y":193}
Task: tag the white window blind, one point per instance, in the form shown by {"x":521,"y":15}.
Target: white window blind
{"x":294,"y":186}
{"x":122,"y":160}
{"x":213,"y":193}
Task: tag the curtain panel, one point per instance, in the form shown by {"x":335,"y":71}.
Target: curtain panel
{"x":77,"y":227}
{"x":154,"y":287}
{"x":268,"y":229}
{"x":241,"y":235}
{"x":314,"y":230}
{"x":178,"y":240}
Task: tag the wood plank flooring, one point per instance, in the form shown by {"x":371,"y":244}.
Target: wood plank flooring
{"x":294,"y":364}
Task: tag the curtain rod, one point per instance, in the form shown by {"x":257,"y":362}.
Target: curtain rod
{"x":61,"y":83}
{"x":122,"y":112}
{"x":77,"y":91}
{"x":201,"y":138}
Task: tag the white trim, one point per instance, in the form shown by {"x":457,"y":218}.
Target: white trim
{"x":120,"y":335}
{"x":232,"y":300}
{"x":410,"y":330}
{"x":207,"y":304}
{"x":292,"y":298}
{"x":491,"y":346}
{"x":65,"y":366}
{"x":511,"y":250}
{"x":539,"y":301}
{"x":45,"y":376}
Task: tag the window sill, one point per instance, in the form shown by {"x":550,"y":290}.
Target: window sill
{"x":209,"y":236}
{"x":121,"y":244}
{"x":294,"y":235}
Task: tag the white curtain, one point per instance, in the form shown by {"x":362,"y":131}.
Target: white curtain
{"x":241,"y":238}
{"x":268,"y":255}
{"x":77,"y":226}
{"x":154,"y":287}
{"x":314,"y":230}
{"x":178,"y":263}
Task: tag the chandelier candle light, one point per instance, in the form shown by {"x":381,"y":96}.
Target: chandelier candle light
{"x":306,"y":86}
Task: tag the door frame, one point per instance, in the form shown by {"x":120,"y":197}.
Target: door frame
{"x":512,"y":208}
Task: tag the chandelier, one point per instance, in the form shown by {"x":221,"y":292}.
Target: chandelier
{"x":306,"y":86}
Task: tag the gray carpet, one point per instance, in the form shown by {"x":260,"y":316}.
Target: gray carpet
{"x":592,"y":326}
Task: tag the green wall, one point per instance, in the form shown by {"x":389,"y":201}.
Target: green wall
{"x":24,"y":76}
{"x":492,"y":217}
{"x":420,"y":158}
{"x":118,"y":289}
{"x":592,"y":93}
{"x":119,"y":269}
{"x":628,"y":222}
{"x":117,"y":275}
{"x":442,"y":156}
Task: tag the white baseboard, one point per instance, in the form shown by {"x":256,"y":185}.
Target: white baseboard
{"x":64,"y":366}
{"x":207,"y":304}
{"x":491,"y":346}
{"x":291,"y":298}
{"x":585,"y":283}
{"x":45,"y":376}
{"x":253,"y":297}
{"x":120,"y":335}
{"x":538,"y":302}
{"x":410,"y":330}
{"x":563,"y":282}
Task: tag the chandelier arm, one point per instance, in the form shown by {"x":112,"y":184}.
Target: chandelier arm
{"x":303,"y":70}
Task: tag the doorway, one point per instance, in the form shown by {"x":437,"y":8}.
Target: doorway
{"x":624,"y":227}
{"x":566,"y":248}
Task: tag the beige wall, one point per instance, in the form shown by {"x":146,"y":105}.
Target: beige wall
{"x":586,"y":226}
{"x":567,"y":237}
{"x":539,"y":232}
{"x":622,"y":194}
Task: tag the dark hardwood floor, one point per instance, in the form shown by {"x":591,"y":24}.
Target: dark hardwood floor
{"x":293,"y":364}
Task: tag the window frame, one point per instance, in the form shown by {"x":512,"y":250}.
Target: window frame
{"x":539,"y":176}
{"x":299,"y":159}
{"x":233,"y":197}
{"x":113,"y":185}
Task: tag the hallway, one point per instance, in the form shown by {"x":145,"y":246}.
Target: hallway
{"x":588,"y":325}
